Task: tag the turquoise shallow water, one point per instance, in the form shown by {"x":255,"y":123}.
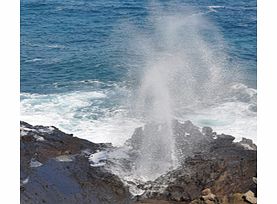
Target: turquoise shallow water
{"x":77,"y":70}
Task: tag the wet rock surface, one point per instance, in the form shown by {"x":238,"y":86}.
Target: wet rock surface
{"x":207,"y":161}
{"x":56,"y":168}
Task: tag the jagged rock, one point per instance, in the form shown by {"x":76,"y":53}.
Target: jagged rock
{"x":206,"y":198}
{"x":215,"y":163}
{"x":224,"y":140}
{"x":64,"y":174}
{"x":250,"y":197}
{"x":248,"y":144}
{"x":207,"y":195}
{"x":209,"y":198}
{"x":207,"y":161}
{"x":208,"y":131}
{"x":236,"y":198}
{"x":255,"y":180}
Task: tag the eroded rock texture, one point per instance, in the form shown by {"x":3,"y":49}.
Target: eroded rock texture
{"x":55,"y":169}
{"x":207,"y":160}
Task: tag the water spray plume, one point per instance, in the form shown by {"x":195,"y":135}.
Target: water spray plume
{"x":183,"y":67}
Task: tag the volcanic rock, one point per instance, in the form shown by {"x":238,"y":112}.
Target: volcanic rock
{"x":248,"y":144}
{"x":64,"y":174}
{"x":205,"y":161}
{"x":212,"y":169}
{"x":250,"y":197}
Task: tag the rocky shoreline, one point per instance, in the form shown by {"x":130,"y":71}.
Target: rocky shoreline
{"x":56,"y":167}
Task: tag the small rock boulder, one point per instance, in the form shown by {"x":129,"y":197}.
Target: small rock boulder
{"x":207,"y":131}
{"x":208,"y":196}
{"x":248,"y":144}
{"x":250,"y":197}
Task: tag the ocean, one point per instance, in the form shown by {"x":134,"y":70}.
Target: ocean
{"x":86,"y":66}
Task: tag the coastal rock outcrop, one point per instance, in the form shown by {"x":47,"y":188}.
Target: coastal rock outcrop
{"x":55,"y":168}
{"x":59,"y":168}
{"x":207,"y":160}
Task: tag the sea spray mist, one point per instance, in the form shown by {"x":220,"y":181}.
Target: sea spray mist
{"x":181,"y":66}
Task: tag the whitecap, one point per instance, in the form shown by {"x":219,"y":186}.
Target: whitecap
{"x":232,"y":118}
{"x":83,"y":113}
{"x":213,"y":8}
{"x":55,"y":46}
{"x":33,"y":60}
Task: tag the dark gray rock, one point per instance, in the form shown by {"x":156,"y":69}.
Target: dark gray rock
{"x":206,"y":160}
{"x":55,"y":168}
{"x":207,"y":131}
{"x":247,"y":144}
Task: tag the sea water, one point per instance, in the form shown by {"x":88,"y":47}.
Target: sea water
{"x":99,"y":69}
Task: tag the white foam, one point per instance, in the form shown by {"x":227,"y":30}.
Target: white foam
{"x":213,"y":8}
{"x":39,"y":138}
{"x":55,"y":46}
{"x":64,"y":158}
{"x":33,"y":60}
{"x":48,"y":130}
{"x":79,"y":113}
{"x":247,"y":146}
{"x":23,"y":133}
{"x":232,"y":118}
{"x":98,"y":159}
{"x":243,"y":93}
{"x":135,"y":190}
{"x":98,"y":164}
{"x":28,"y":129}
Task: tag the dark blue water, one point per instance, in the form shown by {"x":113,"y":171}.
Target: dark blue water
{"x":73,"y":40}
{"x":77,"y":65}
